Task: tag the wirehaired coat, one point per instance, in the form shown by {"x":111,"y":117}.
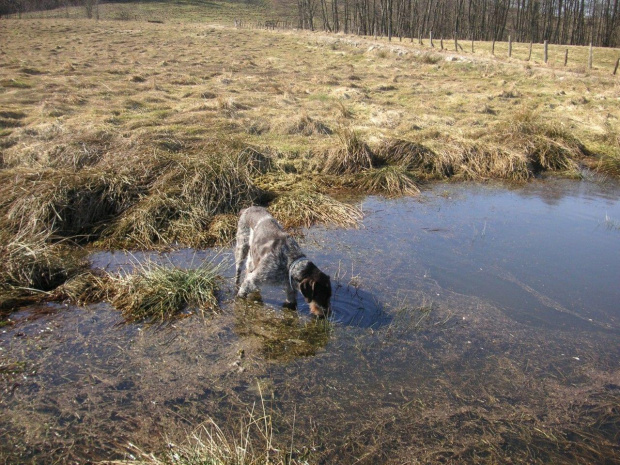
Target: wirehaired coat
{"x":273,"y":256}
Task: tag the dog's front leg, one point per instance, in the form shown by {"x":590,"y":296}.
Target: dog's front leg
{"x":248,"y":286}
{"x":291,"y":297}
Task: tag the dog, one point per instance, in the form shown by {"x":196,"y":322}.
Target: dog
{"x":273,"y":256}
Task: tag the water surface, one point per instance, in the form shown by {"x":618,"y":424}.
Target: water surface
{"x":472,"y":321}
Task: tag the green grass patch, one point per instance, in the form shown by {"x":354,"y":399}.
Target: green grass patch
{"x":159,"y":292}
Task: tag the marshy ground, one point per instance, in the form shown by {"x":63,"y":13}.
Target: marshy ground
{"x":137,"y":135}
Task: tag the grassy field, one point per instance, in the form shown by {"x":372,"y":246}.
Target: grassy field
{"x":128,"y":133}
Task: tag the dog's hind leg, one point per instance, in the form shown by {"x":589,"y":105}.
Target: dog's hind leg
{"x":241,"y":251}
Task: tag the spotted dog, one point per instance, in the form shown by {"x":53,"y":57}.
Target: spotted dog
{"x":273,"y":256}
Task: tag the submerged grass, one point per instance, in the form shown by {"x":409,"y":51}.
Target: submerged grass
{"x":252,"y":443}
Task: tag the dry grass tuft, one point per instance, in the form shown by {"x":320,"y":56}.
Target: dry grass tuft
{"x":186,"y":194}
{"x":298,"y":209}
{"x":28,"y":263}
{"x":406,"y":154}
{"x":307,"y":126}
{"x":62,"y":202}
{"x":609,"y":164}
{"x":464,"y":159}
{"x":222,"y":230}
{"x":256,"y":161}
{"x":84,"y":288}
{"x":391,"y":181}
{"x":428,"y":58}
{"x":158,"y":292}
{"x":547,"y":146}
{"x":352,"y":156}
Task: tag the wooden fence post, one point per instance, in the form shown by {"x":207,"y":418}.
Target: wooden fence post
{"x":566,"y":58}
{"x":456,"y":43}
{"x":590,"y":57}
{"x":530,"y":55}
{"x":546,"y":51}
{"x":441,"y":42}
{"x":493,"y":48}
{"x":472,"y":45}
{"x":616,"y":67}
{"x":431,"y":37}
{"x":509,"y":46}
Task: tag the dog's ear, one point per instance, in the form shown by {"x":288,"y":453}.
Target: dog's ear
{"x":307,"y":289}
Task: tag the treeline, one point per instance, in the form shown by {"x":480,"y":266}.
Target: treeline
{"x":22,"y":6}
{"x":573,"y":22}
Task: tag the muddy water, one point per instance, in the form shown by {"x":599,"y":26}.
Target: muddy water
{"x":472,"y":323}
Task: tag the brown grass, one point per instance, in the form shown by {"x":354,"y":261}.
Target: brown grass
{"x":30,"y":262}
{"x":406,"y":154}
{"x":391,"y":181}
{"x":352,"y":155}
{"x":307,"y":126}
{"x":186,"y":194}
{"x":305,"y":208}
{"x":547,"y":146}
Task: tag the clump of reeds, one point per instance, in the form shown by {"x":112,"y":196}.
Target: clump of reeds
{"x":352,"y":156}
{"x":307,"y":126}
{"x":158,"y":292}
{"x":303,"y":209}
{"x":391,"y":181}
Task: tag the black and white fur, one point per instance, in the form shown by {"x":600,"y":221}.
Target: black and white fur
{"x":273,"y":256}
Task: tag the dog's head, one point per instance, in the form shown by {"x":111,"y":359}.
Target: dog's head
{"x":317,"y":290}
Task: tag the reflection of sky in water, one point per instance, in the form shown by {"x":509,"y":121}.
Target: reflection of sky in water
{"x":541,"y":253}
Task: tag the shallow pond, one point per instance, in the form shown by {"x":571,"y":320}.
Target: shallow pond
{"x":471,"y":324}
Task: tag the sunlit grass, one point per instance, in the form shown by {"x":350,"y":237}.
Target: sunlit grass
{"x":158,"y":292}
